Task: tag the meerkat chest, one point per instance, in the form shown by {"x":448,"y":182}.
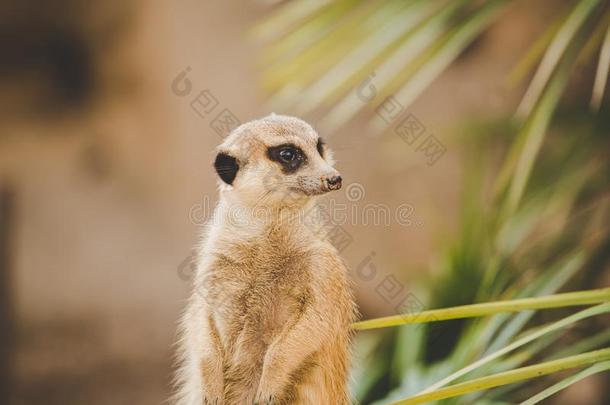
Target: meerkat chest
{"x":257,"y":289}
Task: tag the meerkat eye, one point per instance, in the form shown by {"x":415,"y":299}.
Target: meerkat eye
{"x":287,"y":155}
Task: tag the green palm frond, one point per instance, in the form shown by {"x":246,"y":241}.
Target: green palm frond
{"x":489,"y":308}
{"x":508,"y":377}
{"x":566,"y":382}
{"x":316,"y":53}
{"x":603,"y":69}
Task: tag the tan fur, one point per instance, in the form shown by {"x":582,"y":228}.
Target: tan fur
{"x":269,"y":319}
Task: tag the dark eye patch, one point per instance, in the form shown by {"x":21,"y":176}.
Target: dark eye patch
{"x":288,"y":155}
{"x":226,"y":167}
{"x":320,"y":147}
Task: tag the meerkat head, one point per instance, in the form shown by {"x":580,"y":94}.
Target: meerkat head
{"x":275,"y":160}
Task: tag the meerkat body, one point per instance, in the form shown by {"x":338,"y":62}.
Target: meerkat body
{"x":269,"y":320}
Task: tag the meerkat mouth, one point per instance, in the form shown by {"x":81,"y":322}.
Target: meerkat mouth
{"x":307,"y":192}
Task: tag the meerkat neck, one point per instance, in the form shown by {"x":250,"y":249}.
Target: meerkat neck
{"x":242,"y":219}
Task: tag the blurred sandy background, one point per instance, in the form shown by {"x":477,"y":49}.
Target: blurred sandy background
{"x":101,"y":164}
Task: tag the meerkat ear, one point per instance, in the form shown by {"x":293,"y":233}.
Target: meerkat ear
{"x":226,"y":166}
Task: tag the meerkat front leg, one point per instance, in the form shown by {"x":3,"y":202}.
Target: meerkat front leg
{"x":212,"y":366}
{"x":288,"y":352}
{"x":205,"y":342}
{"x":200,"y":376}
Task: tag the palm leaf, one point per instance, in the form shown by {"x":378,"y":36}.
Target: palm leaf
{"x":556,"y":50}
{"x":577,"y":298}
{"x":601,"y":77}
{"x":597,"y":310}
{"x":512,"y":376}
{"x":594,"y":369}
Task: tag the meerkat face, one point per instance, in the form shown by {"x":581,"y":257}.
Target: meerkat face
{"x":267,"y":160}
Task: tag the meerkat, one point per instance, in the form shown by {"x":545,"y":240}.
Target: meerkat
{"x":269,"y":321}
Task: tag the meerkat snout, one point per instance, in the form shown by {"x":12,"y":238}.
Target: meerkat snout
{"x":333,"y":182}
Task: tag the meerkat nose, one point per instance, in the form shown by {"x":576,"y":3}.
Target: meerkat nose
{"x":334,"y":182}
